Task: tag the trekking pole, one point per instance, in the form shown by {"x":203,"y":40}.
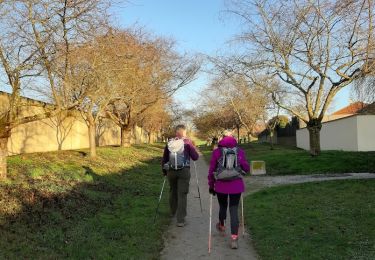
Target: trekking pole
{"x":199,"y":193}
{"x":210,"y":228}
{"x":161,"y":193}
{"x":243,"y":219}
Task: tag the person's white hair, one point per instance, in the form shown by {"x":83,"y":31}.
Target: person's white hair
{"x":228,"y":132}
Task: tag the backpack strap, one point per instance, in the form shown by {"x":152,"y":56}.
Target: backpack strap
{"x":175,"y":159}
{"x":223,"y":155}
{"x":236,"y":156}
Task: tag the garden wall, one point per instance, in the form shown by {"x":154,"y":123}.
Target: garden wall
{"x":66,"y":131}
{"x":72,"y":133}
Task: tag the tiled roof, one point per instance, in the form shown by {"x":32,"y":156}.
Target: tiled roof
{"x":368,"y":110}
{"x":352,"y":109}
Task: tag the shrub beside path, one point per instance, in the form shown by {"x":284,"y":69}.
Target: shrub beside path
{"x":191,"y":241}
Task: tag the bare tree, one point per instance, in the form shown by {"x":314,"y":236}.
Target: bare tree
{"x":154,"y":72}
{"x":211,"y":124}
{"x":315,"y":48}
{"x":94,"y":66}
{"x":174,"y":116}
{"x":152,"y":119}
{"x":215,"y":113}
{"x":364,"y":90}
{"x":34,"y":34}
{"x":72,"y":26}
{"x":273,"y":123}
{"x":247,"y":101}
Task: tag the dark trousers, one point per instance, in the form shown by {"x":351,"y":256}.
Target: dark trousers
{"x":179,"y":188}
{"x":234,"y":201}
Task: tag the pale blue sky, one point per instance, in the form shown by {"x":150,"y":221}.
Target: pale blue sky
{"x":198,"y":26}
{"x":195,"y":24}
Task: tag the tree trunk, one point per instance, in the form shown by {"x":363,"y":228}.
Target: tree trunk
{"x":238,"y":134}
{"x":314,"y":126}
{"x":248,"y":137}
{"x":214,"y":143}
{"x":150,"y":139}
{"x":271,"y":139}
{"x":3,"y":157}
{"x":92,"y":139}
{"x":126,"y":135}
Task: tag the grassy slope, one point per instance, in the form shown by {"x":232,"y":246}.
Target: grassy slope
{"x":64,"y":205}
{"x":330,"y":220}
{"x":288,"y":160}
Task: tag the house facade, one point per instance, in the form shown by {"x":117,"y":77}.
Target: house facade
{"x":352,"y":130}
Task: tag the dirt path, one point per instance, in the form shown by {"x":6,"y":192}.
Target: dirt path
{"x":256,"y":183}
{"x":191,"y":241}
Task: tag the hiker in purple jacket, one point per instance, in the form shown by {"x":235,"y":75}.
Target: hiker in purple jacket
{"x":227,"y":188}
{"x":176,"y":166}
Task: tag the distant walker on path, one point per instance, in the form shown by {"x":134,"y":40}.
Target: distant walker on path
{"x":176,"y":166}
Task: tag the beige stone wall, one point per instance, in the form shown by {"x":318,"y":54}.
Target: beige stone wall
{"x":107,"y":133}
{"x":67,"y":131}
{"x":55,"y":134}
{"x":3,"y":102}
{"x":71,"y":133}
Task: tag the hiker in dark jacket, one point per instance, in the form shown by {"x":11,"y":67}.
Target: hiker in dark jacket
{"x":176,"y":166}
{"x":225,"y":189}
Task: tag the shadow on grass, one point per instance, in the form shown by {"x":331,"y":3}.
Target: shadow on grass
{"x":109,"y":216}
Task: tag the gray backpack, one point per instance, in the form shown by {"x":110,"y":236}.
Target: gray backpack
{"x":228,"y":168}
{"x":177,"y":159}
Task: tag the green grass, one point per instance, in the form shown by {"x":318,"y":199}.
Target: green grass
{"x":329,"y":220}
{"x":65,"y":205}
{"x":199,"y":142}
{"x":284,"y":160}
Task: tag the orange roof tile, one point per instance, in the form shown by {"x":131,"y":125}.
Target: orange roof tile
{"x":352,"y":109}
{"x":368,"y":109}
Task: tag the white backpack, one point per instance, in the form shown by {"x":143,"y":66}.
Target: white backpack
{"x":177,"y":159}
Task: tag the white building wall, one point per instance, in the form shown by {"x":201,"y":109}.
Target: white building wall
{"x":302,"y":136}
{"x":355,"y":133}
{"x":366,"y":132}
{"x":340,"y":135}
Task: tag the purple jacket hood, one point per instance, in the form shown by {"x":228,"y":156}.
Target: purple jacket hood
{"x":228,"y":141}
